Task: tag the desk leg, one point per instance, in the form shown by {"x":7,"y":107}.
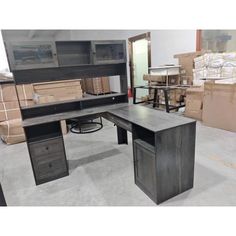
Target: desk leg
{"x":155,"y":98}
{"x":2,"y":198}
{"x":134,"y":96}
{"x":122,"y":135}
{"x":166,"y":100}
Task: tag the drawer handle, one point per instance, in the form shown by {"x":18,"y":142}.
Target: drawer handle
{"x":47,"y":148}
{"x":50,"y":165}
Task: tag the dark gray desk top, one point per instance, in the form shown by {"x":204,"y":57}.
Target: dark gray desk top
{"x":70,"y":115}
{"x":150,"y":119}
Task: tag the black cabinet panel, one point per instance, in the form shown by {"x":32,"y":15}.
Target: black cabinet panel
{"x":74,"y":53}
{"x":106,"y":52}
{"x":31,"y":55}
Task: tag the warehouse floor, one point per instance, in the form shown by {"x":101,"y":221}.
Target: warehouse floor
{"x":101,"y":173}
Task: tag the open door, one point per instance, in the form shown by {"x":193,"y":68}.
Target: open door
{"x":140,"y":61}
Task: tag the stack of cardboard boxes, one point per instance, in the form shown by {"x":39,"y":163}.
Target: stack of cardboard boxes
{"x":57,"y":91}
{"x":25,"y":94}
{"x":215,"y":101}
{"x":186,"y":60}
{"x":161,"y":80}
{"x":97,"y":86}
{"x":194,"y":102}
{"x":11,"y":130}
{"x":12,"y":97}
{"x":219,"y":106}
{"x":214,"y":65}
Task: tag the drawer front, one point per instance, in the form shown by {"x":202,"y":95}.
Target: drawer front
{"x":46,"y":147}
{"x":50,"y":168}
{"x":119,"y":122}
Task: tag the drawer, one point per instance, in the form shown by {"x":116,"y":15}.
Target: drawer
{"x":119,"y":122}
{"x":46,"y":147}
{"x":47,"y":169}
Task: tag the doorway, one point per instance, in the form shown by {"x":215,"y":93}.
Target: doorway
{"x":140,"y":61}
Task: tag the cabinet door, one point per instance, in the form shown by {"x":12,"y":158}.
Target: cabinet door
{"x":145,"y":171}
{"x":31,"y":55}
{"x":106,"y":52}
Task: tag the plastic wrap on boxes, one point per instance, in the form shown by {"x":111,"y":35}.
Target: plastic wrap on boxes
{"x":228,"y":72}
{"x":230,"y":56}
{"x":206,"y":72}
{"x":213,"y":60}
{"x":229,"y":64}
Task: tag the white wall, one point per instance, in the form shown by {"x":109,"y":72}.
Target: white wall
{"x":166,"y":43}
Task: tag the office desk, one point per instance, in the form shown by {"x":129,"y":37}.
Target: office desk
{"x":163,"y":147}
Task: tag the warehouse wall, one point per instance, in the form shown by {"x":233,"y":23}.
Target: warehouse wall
{"x":166,"y":43}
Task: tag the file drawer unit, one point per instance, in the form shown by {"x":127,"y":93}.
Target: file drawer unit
{"x":47,"y":152}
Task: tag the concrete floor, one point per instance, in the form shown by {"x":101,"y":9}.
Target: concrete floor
{"x":101,"y":173}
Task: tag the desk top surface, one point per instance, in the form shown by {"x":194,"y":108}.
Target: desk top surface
{"x":148,"y":118}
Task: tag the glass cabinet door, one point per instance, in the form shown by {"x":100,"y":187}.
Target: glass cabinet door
{"x":31,"y":55}
{"x":105,"y":52}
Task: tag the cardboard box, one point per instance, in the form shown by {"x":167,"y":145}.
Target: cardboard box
{"x":194,"y":103}
{"x":41,"y":99}
{"x":57,"y":91}
{"x":154,"y":78}
{"x":12,"y":132}
{"x":8,"y":93}
{"x":25,"y":91}
{"x":172,"y":79}
{"x":219,"y":109}
{"x":186,"y":60}
{"x":57,"y":84}
{"x":106,"y":85}
{"x":9,"y":111}
{"x":99,"y":85}
{"x":26,"y":103}
{"x":64,"y":127}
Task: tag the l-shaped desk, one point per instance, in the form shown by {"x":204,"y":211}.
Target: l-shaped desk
{"x":163,"y":147}
{"x":163,"y":144}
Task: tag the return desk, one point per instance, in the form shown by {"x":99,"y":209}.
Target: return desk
{"x":163,"y":147}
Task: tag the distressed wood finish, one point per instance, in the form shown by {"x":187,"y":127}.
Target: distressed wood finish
{"x":175,"y":154}
{"x":47,"y":152}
